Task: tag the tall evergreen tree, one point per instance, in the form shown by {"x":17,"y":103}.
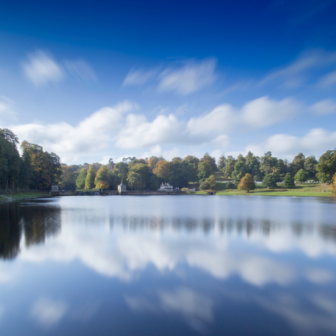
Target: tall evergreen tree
{"x":288,"y":181}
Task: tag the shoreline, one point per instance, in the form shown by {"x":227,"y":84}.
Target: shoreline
{"x":22,"y":196}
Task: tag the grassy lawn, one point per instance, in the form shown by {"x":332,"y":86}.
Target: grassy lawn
{"x":88,"y":190}
{"x":306,"y":189}
{"x":23,"y":195}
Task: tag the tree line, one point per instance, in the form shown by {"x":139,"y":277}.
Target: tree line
{"x":35,"y":169}
{"x":38,"y":169}
{"x":149,"y":173}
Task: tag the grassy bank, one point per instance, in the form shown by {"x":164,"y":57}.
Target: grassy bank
{"x":306,"y":190}
{"x":23,"y":195}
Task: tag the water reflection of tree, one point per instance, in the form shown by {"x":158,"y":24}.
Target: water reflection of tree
{"x":36,"y":221}
{"x":10,"y":231}
{"x":248,"y":226}
{"x":39,"y":223}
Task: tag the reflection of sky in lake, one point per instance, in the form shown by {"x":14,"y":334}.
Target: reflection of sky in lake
{"x":168,"y":265}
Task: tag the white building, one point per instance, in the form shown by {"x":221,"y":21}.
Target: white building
{"x":121,"y":188}
{"x":166,"y":187}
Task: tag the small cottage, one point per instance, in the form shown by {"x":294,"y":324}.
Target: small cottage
{"x":121,"y":188}
{"x":54,"y":189}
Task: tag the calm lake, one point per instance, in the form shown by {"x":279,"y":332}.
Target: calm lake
{"x":168,"y":265}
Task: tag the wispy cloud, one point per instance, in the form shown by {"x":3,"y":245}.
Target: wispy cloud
{"x":189,"y":78}
{"x":182,"y":80}
{"x":41,"y":69}
{"x":140,"y":77}
{"x":81,"y":70}
{"x":324,"y":107}
{"x":308,"y":67}
{"x":328,"y":80}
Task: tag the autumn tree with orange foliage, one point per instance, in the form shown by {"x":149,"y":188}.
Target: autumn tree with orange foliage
{"x":162,"y":170}
{"x":153,"y":161}
{"x":246,"y":183}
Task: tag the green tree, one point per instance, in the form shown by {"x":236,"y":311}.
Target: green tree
{"x":46,"y":167}
{"x":113,"y":180}
{"x":121,"y":169}
{"x":310,"y":167}
{"x":246,"y":183}
{"x":178,"y":173}
{"x":211,"y":160}
{"x":326,"y":168}
{"x":191,"y":166}
{"x":301,"y":176}
{"x":289,"y":181}
{"x":221,"y":162}
{"x":253,"y":166}
{"x":270,"y":181}
{"x":9,"y":159}
{"x":102,"y":178}
{"x":229,"y":166}
{"x":135,"y":181}
{"x":209,"y":183}
{"x":144,"y":171}
{"x":298,"y":163}
{"x":240,"y":168}
{"x":80,"y":181}
{"x":282,"y":169}
{"x":90,"y":178}
{"x":268,"y":162}
{"x":204,"y":170}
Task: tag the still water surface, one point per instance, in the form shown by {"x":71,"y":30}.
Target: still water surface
{"x":168,"y":265}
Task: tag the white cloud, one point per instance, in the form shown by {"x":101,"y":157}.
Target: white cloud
{"x":120,"y":128}
{"x":188,"y":79}
{"x":138,"y":132}
{"x":70,"y":142}
{"x":315,"y":142}
{"x":328,"y":80}
{"x":324,"y":107}
{"x":81,"y":70}
{"x":258,"y":113}
{"x":47,"y":312}
{"x":41,"y":69}
{"x":139,"y":77}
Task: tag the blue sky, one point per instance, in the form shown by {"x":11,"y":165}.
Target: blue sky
{"x":91,"y":80}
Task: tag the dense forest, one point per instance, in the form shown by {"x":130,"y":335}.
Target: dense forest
{"x":37,"y":169}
